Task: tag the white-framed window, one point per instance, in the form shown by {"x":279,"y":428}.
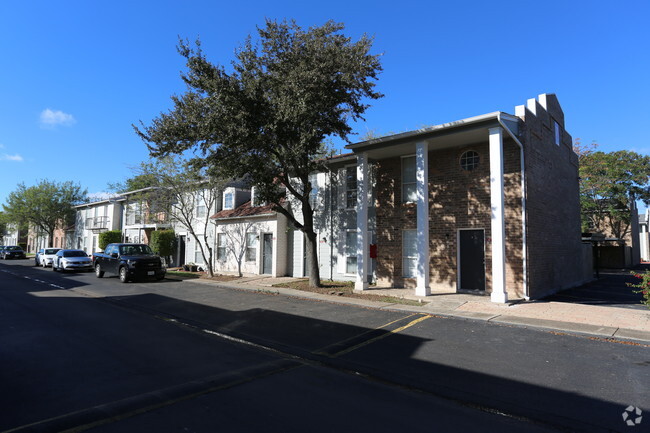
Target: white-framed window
{"x":558,"y":132}
{"x":252,"y":240}
{"x":351,"y":187}
{"x":229,"y":200}
{"x":469,"y":160}
{"x":351,"y":251}
{"x":200,"y":210}
{"x":198,"y":257}
{"x":221,"y":246}
{"x":409,"y":185}
{"x":409,"y":253}
{"x":313,"y":194}
{"x":134,"y":214}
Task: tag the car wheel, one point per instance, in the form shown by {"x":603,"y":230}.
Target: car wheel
{"x":124,"y":277}
{"x":160,"y":277}
{"x":98,"y":271}
{"x":54,"y":268}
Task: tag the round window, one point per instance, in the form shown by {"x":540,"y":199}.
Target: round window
{"x":469,"y":160}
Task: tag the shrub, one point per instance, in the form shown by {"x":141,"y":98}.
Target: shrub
{"x":163,"y":242}
{"x":109,"y":237}
{"x":643,"y":286}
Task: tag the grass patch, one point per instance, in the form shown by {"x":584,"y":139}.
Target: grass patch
{"x":345,"y":289}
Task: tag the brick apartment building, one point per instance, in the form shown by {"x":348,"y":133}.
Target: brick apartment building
{"x":487,"y":204}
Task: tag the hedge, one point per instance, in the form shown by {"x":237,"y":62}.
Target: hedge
{"x":163,"y":242}
{"x":109,"y":237}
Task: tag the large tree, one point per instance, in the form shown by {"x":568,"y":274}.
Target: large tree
{"x":45,"y":206}
{"x":270,"y":115}
{"x":609,"y":183}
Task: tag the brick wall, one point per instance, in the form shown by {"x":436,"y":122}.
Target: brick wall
{"x":458,"y":199}
{"x":555,"y":258}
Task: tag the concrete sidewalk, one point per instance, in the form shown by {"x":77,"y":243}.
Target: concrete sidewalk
{"x":601,"y":321}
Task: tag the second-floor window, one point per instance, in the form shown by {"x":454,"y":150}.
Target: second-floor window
{"x":200,"y":210}
{"x":409,"y":185}
{"x":229,"y":200}
{"x":351,"y":187}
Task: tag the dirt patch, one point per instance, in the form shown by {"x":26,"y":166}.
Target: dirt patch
{"x":345,"y":289}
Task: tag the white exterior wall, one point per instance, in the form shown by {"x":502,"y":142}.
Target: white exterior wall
{"x":276,"y":226}
{"x":84,"y":237}
{"x":11,"y":236}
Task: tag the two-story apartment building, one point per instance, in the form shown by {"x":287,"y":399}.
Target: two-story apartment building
{"x":487,"y":204}
{"x":94,"y":218}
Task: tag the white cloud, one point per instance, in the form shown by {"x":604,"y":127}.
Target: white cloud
{"x":101,"y":195}
{"x":51,"y":118}
{"x":7,"y":157}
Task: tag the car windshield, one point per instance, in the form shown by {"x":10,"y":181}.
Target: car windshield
{"x":51,"y":251}
{"x":14,"y":249}
{"x":135,"y":250}
{"x":74,"y":254}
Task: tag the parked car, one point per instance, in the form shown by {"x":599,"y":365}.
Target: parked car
{"x":2,"y":247}
{"x":47,"y":256}
{"x":12,"y":252}
{"x":129,"y":261}
{"x":37,"y":257}
{"x":69,"y":260}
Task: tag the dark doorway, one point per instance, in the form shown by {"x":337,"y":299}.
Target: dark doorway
{"x":267,"y":254}
{"x":181,"y":250}
{"x":471,"y":259}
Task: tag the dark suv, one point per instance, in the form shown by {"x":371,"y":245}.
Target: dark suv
{"x":12,"y":252}
{"x":129,"y":261}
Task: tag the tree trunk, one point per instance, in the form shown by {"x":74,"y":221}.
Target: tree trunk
{"x":312,"y":259}
{"x":50,"y":238}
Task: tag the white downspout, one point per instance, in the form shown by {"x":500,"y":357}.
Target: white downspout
{"x":523,"y":206}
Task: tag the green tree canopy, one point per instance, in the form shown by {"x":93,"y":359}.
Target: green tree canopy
{"x":268,"y":118}
{"x":135,"y":183}
{"x":45,"y":206}
{"x":609,"y":183}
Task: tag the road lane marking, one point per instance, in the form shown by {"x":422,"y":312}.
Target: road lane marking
{"x":380,"y":337}
{"x":325,"y":350}
{"x":357,"y":341}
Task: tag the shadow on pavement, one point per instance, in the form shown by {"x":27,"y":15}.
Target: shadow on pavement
{"x":396,"y":360}
{"x":609,"y":290}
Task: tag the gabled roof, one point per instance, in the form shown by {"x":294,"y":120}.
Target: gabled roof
{"x":245,"y":211}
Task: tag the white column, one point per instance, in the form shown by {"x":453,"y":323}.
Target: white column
{"x":499,"y":293}
{"x":422,"y":187}
{"x":362,"y":222}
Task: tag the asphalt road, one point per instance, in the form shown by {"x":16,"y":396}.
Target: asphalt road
{"x":79,"y":353}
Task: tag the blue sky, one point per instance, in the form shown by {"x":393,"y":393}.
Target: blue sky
{"x":76,"y":74}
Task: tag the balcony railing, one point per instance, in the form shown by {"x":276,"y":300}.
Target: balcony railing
{"x":147,"y":218}
{"x":99,"y":222}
